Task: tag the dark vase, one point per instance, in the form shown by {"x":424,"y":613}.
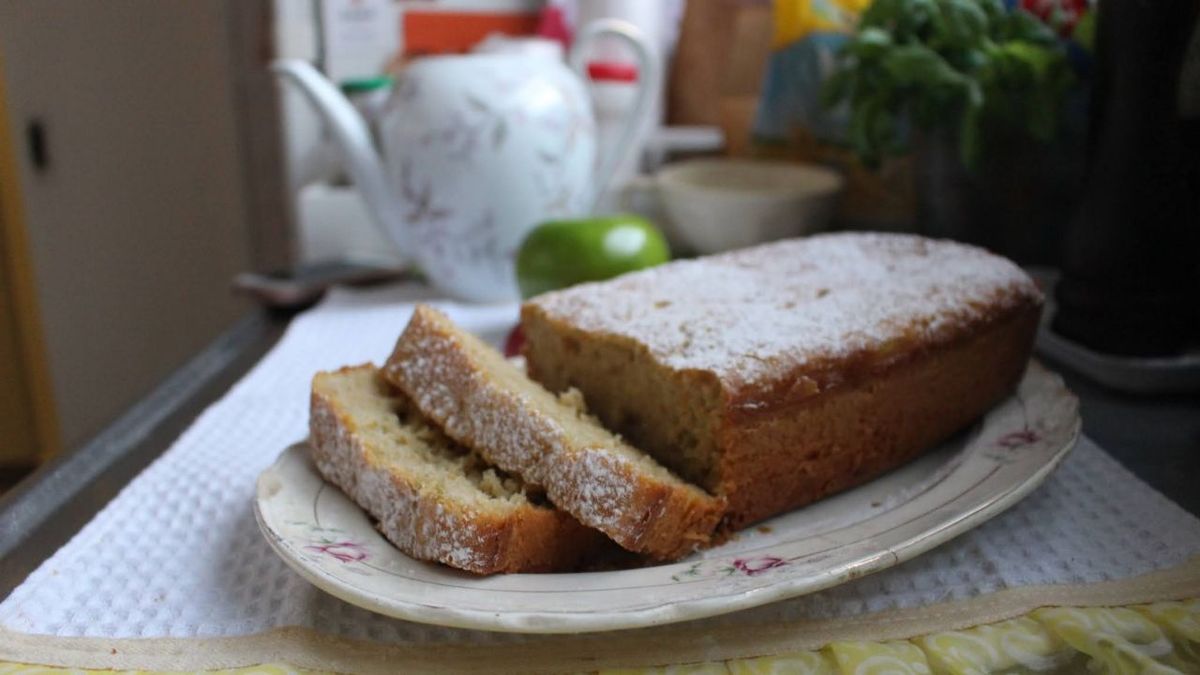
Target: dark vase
{"x":1131,"y":276}
{"x":1016,"y":203}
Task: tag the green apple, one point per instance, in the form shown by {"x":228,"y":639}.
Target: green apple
{"x":562,"y":253}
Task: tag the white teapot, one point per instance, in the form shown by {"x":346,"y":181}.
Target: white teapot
{"x":476,"y":150}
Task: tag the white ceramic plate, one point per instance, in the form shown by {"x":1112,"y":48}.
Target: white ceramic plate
{"x":332,"y":543}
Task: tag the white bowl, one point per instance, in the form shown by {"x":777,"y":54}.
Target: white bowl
{"x":722,"y":204}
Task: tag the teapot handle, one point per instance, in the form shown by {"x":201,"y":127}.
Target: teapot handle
{"x":648,"y":76}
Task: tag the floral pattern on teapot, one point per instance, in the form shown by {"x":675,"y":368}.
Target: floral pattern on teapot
{"x":480,"y":155}
{"x":476,"y":150}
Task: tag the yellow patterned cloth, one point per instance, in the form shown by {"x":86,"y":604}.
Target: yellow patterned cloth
{"x":1160,"y":638}
{"x":266,"y":669}
{"x":1163,"y":637}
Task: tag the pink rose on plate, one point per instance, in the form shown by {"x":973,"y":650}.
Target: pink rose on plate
{"x":1018,"y":439}
{"x":343,"y":551}
{"x":753,"y":566}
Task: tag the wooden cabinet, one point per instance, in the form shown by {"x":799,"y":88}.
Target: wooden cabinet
{"x":28,"y":426}
{"x":129,"y":177}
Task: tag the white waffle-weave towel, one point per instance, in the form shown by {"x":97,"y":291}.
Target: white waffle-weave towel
{"x":178,"y":553}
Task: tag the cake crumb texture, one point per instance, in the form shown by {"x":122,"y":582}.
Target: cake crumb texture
{"x":485,"y":403}
{"x":433,"y":499}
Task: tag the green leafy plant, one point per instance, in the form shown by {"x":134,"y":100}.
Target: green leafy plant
{"x":964,"y":65}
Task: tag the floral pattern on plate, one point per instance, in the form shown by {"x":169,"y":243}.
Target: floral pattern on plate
{"x":953,"y":488}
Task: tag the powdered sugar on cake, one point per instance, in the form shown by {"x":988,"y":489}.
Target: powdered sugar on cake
{"x":798,"y":304}
{"x":482,"y":402}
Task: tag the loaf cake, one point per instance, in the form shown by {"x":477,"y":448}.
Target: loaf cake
{"x":486,"y":403}
{"x":432,"y":498}
{"x":776,"y":375}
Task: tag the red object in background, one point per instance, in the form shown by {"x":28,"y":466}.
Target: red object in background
{"x":1061,"y":15}
{"x":427,"y":32}
{"x":515,"y":342}
{"x":612,"y":71}
{"x":553,"y":25}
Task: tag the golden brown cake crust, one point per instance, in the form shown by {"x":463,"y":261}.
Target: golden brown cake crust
{"x":435,"y":527}
{"x":781,"y":322}
{"x":789,"y":371}
{"x":855,"y":432}
{"x":460,"y":383}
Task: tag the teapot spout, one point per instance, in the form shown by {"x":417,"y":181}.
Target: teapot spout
{"x":354,"y":138}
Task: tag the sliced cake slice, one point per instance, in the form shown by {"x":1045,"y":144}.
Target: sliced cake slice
{"x":488,"y":404}
{"x":434,"y":499}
